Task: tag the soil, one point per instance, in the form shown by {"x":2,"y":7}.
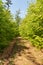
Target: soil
{"x":21,"y":52}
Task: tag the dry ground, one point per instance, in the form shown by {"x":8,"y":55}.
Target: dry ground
{"x":21,"y":53}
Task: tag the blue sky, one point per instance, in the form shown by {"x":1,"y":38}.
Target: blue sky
{"x":20,"y":4}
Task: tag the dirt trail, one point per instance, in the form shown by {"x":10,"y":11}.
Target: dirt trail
{"x":24,"y":53}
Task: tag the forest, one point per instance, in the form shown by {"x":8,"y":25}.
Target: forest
{"x":17,"y":32}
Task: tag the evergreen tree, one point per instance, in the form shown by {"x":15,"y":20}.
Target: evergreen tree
{"x":8,"y":28}
{"x":17,"y":17}
{"x":32,"y":25}
{"x":8,"y":3}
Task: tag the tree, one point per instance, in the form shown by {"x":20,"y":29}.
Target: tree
{"x":18,"y":20}
{"x":17,"y":17}
{"x":8,"y":3}
{"x":32,"y":25}
{"x":8,"y":28}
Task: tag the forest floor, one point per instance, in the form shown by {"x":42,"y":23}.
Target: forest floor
{"x":21,"y":52}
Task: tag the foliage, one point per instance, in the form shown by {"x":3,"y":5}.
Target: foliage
{"x":8,"y":28}
{"x":32,"y":25}
{"x":18,"y":19}
{"x":8,"y":3}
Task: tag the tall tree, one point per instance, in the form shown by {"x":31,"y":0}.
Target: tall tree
{"x":8,"y":3}
{"x":17,"y":17}
{"x":32,"y":25}
{"x":8,"y":28}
